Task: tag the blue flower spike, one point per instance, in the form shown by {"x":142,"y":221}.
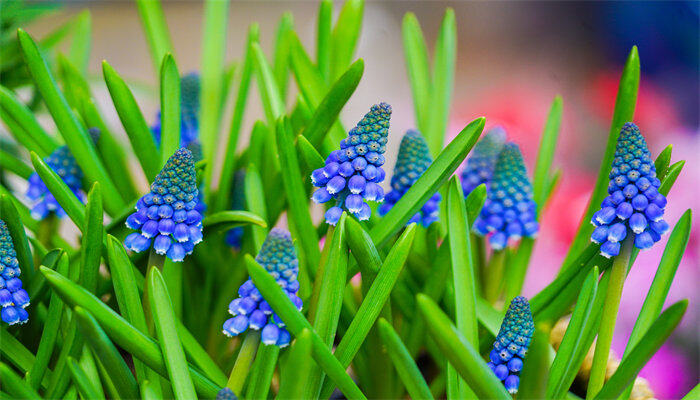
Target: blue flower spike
{"x":62,"y":162}
{"x":413,"y":159}
{"x":226,"y":394}
{"x":509,"y":213}
{"x":482,"y":160}
{"x":250,"y":310}
{"x":352,"y":174}
{"x":189,"y":110}
{"x":13,"y":298}
{"x":167,"y":216}
{"x":634,"y":204}
{"x":510,"y":348}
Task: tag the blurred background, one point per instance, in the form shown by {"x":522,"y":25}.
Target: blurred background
{"x":513,"y":58}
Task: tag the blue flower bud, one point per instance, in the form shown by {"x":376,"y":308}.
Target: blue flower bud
{"x":270,"y":334}
{"x":177,"y":252}
{"x":284,"y":338}
{"x":349,"y":171}
{"x":639,"y":204}
{"x":511,"y":383}
{"x":482,"y":159}
{"x":617,"y":232}
{"x":161,"y":244}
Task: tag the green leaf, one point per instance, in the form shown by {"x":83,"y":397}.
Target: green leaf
{"x":654,"y":301}
{"x":222,"y":200}
{"x":82,"y":38}
{"x":345,"y":35}
{"x":73,"y":132}
{"x":164,"y":321}
{"x":663,"y":161}
{"x":295,"y":323}
{"x":122,"y":332}
{"x":9,"y":214}
{"x":85,"y":387}
{"x":308,"y":154}
{"x":652,"y":340}
{"x":10,"y":163}
{"x":323,"y":38}
{"x":269,"y":92}
{"x":93,"y":232}
{"x":568,"y":359}
{"x":65,"y":197}
{"x":297,"y":198}
{"x":27,"y":130}
{"x":459,"y":352}
{"x":133,"y":121}
{"x":428,"y":183}
{"x":14,"y":385}
{"x":212,"y":67}
{"x":671,"y":176}
{"x":474,"y":201}
{"x":109,"y":356}
{"x":403,"y":362}
{"x":281,"y":56}
{"x":329,"y":108}
{"x":263,"y":368}
{"x":169,"y":108}
{"x":624,"y":112}
{"x":443,"y":80}
{"x":533,"y":378}
{"x":418,"y":68}
{"x":225,"y":220}
{"x":545,"y":155}
{"x":156,"y":29}
{"x":373,"y":302}
{"x":255,"y":202}
{"x":693,"y":394}
{"x":295,"y":372}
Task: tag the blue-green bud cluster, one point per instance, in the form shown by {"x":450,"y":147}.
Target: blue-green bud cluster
{"x":482,"y":159}
{"x":510,"y":348}
{"x":189,"y":113}
{"x":13,"y":298}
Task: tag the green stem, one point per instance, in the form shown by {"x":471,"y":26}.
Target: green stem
{"x":156,"y":260}
{"x":493,"y":276}
{"x":240,"y":370}
{"x":172,"y":275}
{"x":607,"y":323}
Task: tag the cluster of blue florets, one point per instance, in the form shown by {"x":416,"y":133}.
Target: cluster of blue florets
{"x":62,"y":162}
{"x":482,"y":159}
{"x":352,"y":174}
{"x":634,"y":201}
{"x":189,"y":113}
{"x":167,"y":216}
{"x":226,"y":394}
{"x":13,"y":299}
{"x":509,"y":212}
{"x":510,"y":347}
{"x":413,"y":159}
{"x":250,"y":310}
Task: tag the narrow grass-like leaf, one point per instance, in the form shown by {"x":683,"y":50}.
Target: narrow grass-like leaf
{"x":212,"y":67}
{"x":671,"y":176}
{"x":225,"y":220}
{"x":418,"y":68}
{"x":428,"y":183}
{"x":91,"y":249}
{"x":82,"y":40}
{"x":85,"y":387}
{"x":280,"y":65}
{"x":545,"y":155}
{"x":654,"y":301}
{"x":14,"y":385}
{"x":533,"y":377}
{"x":196,"y":354}
{"x":345,"y":35}
{"x":459,"y":352}
{"x":133,"y":121}
{"x":228,"y":165}
{"x":566,"y":363}
{"x":10,"y":163}
{"x":122,"y":332}
{"x":323,"y":38}
{"x":263,"y":368}
{"x":329,"y":108}
{"x":89,"y":365}
{"x":373,"y":302}
{"x":31,"y":135}
{"x":269,"y":92}
{"x":298,"y":366}
{"x":169,"y":108}
{"x":65,"y":197}
{"x":109,"y":356}
{"x":296,"y":197}
{"x":295,"y":323}
{"x":443,"y":80}
{"x":156,"y":29}
{"x":693,"y":394}
{"x":9,"y":214}
{"x":14,"y":351}
{"x":255,"y":202}
{"x":165,"y":324}
{"x":308,"y":154}
{"x":625,"y":104}
{"x":403,"y":362}
{"x":662,"y":162}
{"x":73,"y":132}
{"x":652,"y":340}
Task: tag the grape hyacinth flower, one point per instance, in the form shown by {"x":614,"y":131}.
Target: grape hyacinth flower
{"x":189,"y":110}
{"x":510,"y":347}
{"x":13,"y":299}
{"x":62,"y":162}
{"x":413,"y":159}
{"x":352,"y":174}
{"x":509,"y":211}
{"x":634,"y":202}
{"x":250,"y":310}
{"x":226,"y":394}
{"x":482,"y":159}
{"x":167,"y":216}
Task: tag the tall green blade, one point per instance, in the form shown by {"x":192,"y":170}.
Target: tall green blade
{"x":29,"y":133}
{"x":345,"y":36}
{"x":323,"y":38}
{"x":418,"y":68}
{"x":169,"y":108}
{"x":156,"y":29}
{"x":93,"y":232}
{"x":82,"y":39}
{"x":545,"y":155}
{"x":298,"y":366}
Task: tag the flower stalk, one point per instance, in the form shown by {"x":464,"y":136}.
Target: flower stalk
{"x":245,"y":358}
{"x":494,"y":276}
